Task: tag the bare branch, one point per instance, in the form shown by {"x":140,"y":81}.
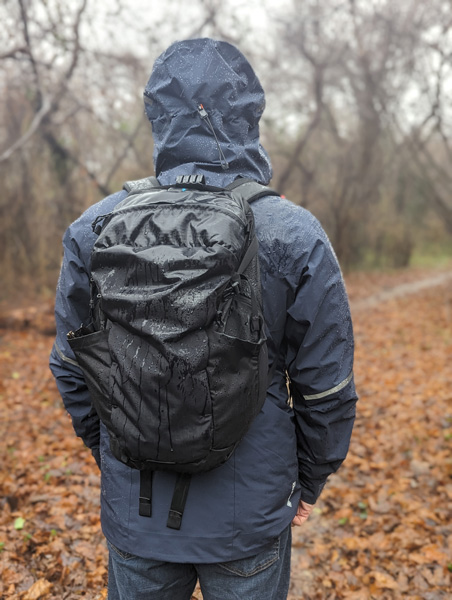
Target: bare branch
{"x":29,"y":51}
{"x":68,"y":155}
{"x":14,"y":52}
{"x":117,"y":163}
{"x":45,"y":109}
{"x":425,"y":164}
{"x":61,"y":88}
{"x":298,"y":151}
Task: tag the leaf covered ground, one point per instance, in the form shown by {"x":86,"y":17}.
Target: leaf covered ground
{"x":382,"y":528}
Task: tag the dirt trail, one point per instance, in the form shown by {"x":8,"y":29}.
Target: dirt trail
{"x":399,"y":291}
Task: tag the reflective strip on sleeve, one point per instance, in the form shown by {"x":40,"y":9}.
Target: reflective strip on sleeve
{"x":333,"y":390}
{"x":65,"y":358}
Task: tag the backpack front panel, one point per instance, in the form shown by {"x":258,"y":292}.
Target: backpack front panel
{"x":161,"y":265}
{"x":161,"y":402}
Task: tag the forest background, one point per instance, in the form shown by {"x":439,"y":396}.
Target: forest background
{"x":358,"y":125}
{"x":358,"y":118}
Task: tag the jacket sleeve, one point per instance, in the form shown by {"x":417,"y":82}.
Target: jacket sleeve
{"x":320,"y":367}
{"x":72,"y":310}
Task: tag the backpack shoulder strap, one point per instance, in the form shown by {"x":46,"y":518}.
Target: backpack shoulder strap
{"x":141,"y":184}
{"x":249,"y":190}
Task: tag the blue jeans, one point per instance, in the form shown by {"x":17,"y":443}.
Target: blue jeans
{"x":264,"y":576}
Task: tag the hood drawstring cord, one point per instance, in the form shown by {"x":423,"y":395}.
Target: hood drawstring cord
{"x":203,"y":114}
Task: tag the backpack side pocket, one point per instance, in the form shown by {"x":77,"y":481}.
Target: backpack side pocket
{"x":93,"y":356}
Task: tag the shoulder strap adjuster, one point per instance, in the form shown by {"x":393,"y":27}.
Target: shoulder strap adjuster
{"x":249,"y":190}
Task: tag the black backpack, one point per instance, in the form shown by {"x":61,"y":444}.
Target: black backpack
{"x":176,"y":358}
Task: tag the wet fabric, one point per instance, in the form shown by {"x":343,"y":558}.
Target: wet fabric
{"x":218,"y":76}
{"x":178,"y":370}
{"x":241,"y":507}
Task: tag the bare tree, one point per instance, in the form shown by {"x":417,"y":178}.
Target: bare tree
{"x":59,"y":130}
{"x":358,"y":121}
{"x":349,"y":70}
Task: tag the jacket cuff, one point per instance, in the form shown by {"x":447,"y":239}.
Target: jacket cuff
{"x":310,"y":489}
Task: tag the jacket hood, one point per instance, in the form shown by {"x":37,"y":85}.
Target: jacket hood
{"x":217,"y":76}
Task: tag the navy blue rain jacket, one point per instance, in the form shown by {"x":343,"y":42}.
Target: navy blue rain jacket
{"x":238,"y":509}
